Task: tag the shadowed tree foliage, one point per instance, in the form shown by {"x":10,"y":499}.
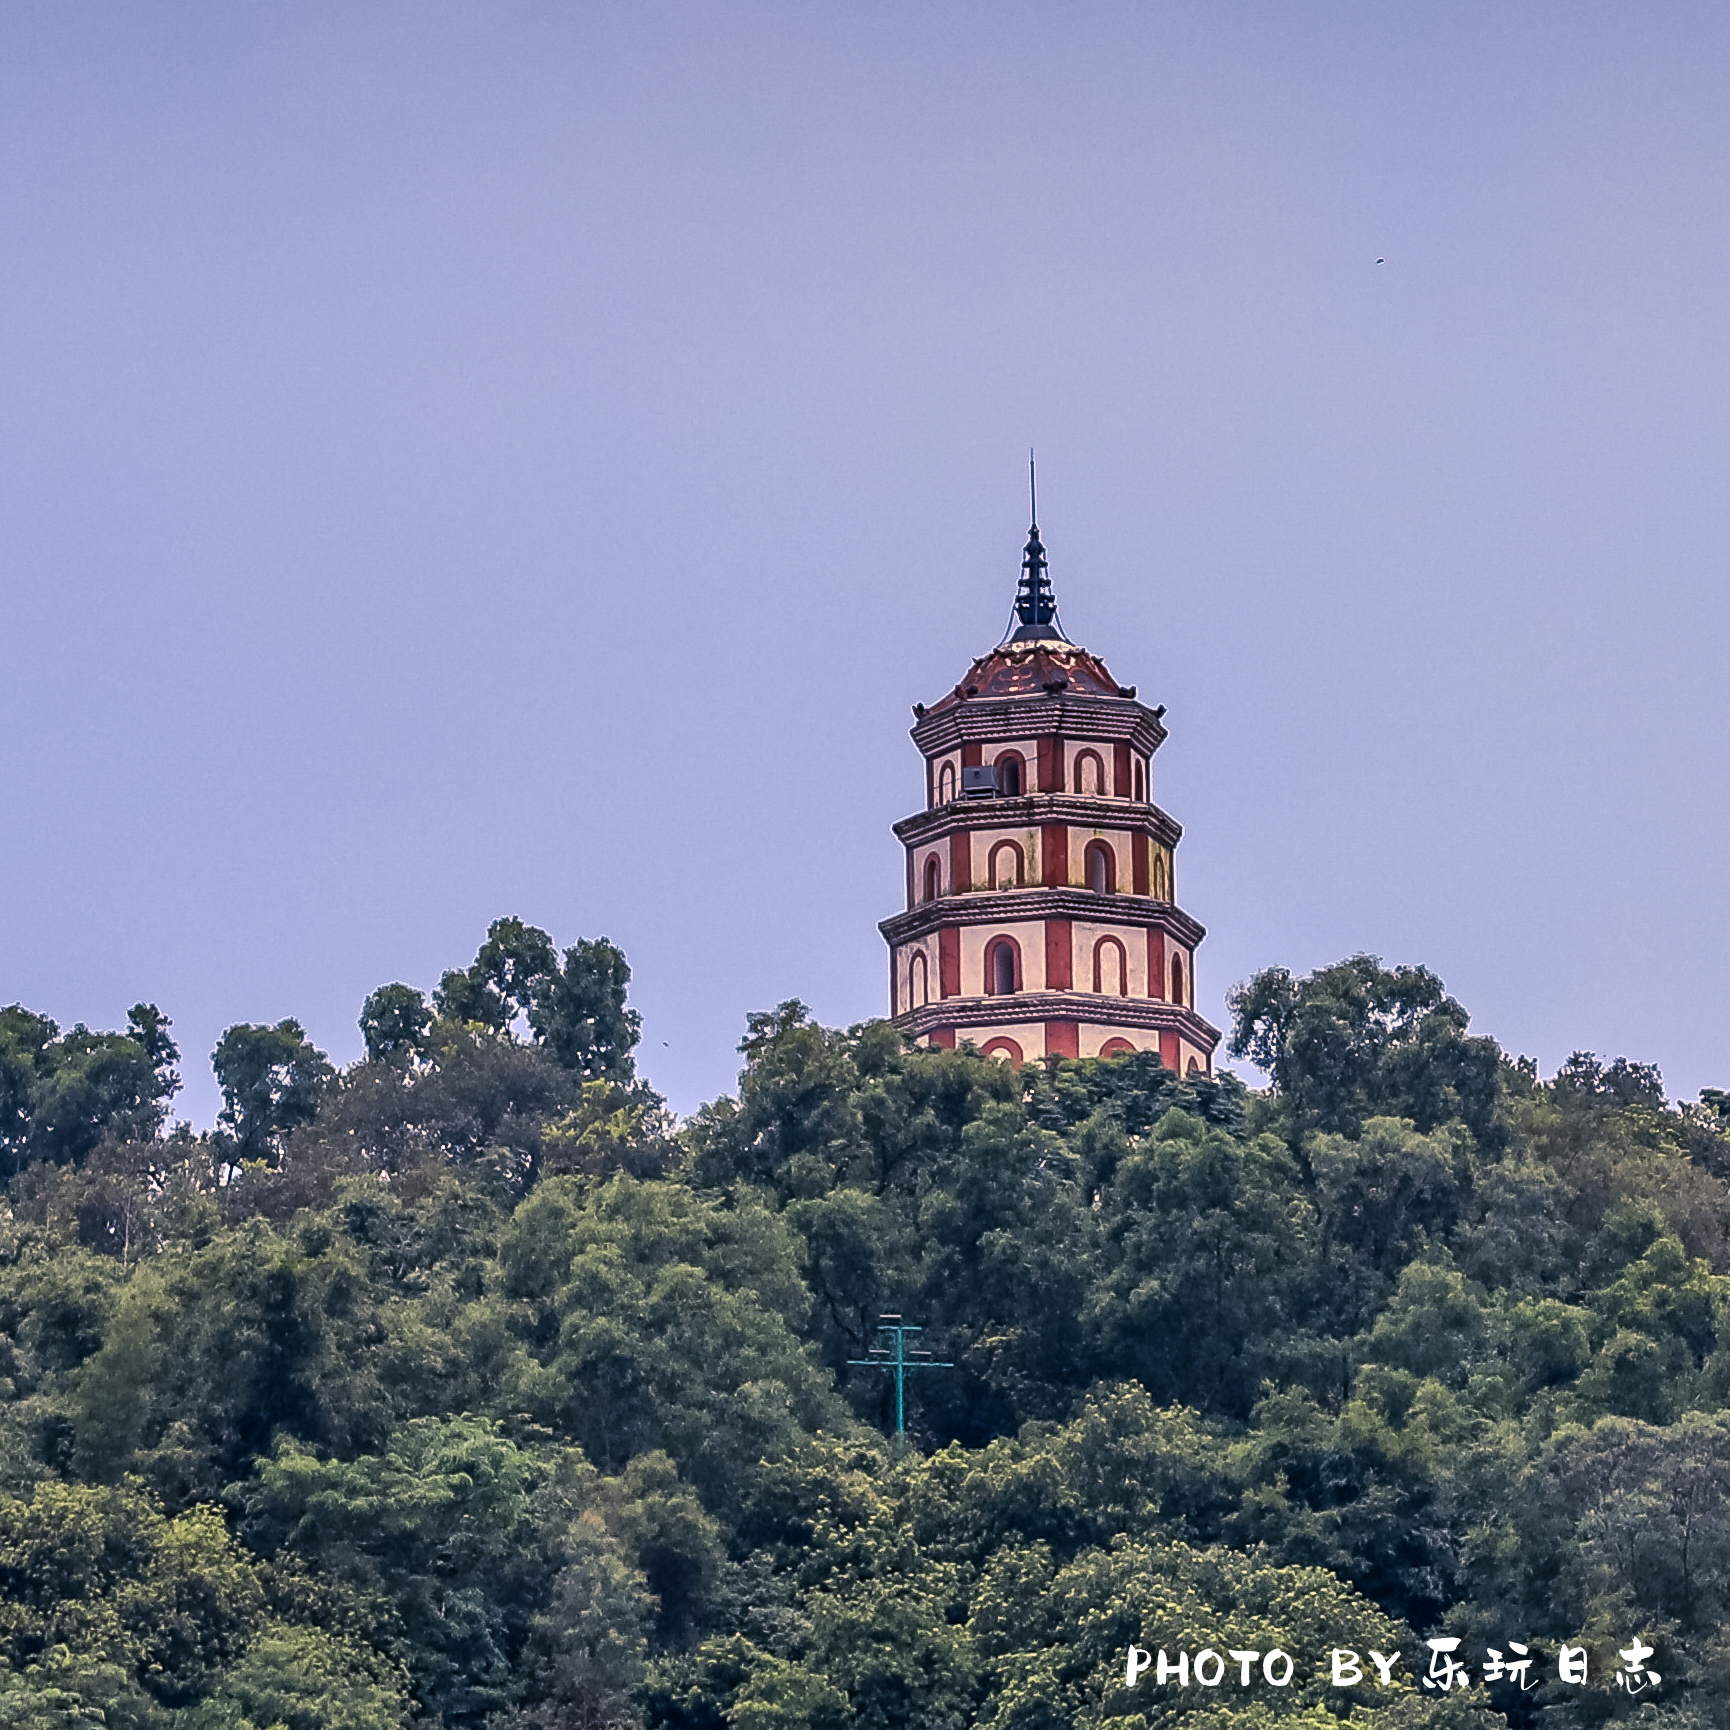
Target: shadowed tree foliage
{"x":272,"y":1079}
{"x":579,"y":1012}
{"x":575,"y":1006}
{"x":500,"y":985}
{"x":395,"y":1022}
{"x":62,"y":1095}
{"x":1358,"y":1040}
{"x":463,"y":1387}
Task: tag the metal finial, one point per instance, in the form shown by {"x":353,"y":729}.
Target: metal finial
{"x":1035,"y":604}
{"x":1034,"y":615}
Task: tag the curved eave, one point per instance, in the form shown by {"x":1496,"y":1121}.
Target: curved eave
{"x":1003,"y":906}
{"x":1096,"y":1007}
{"x":1031,"y":810}
{"x":983,"y":719}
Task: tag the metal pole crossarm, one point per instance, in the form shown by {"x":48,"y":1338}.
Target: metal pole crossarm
{"x":899,"y":1364}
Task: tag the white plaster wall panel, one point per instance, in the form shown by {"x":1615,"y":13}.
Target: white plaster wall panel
{"x":1029,"y":933}
{"x":1094,"y":1034}
{"x":1029,"y":1035}
{"x":1185,"y":1051}
{"x":1123,"y":845}
{"x":921,"y":860}
{"x":1172,"y":949}
{"x":986,"y":840}
{"x":1028,"y":751}
{"x":953,"y":761}
{"x":1117,"y":840}
{"x":1086,"y":933}
{"x":1073,"y":751}
{"x":904,"y":995}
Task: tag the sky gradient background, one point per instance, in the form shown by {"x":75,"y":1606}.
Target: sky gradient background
{"x":514,"y":458}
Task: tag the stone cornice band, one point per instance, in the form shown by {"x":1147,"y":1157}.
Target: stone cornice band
{"x":1006,"y":906}
{"x":1025,"y":1006}
{"x":1031,"y":810}
{"x":985,"y":719}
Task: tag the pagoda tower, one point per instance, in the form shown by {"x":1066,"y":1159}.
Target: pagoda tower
{"x":1042,"y":914}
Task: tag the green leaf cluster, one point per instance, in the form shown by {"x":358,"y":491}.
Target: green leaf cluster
{"x":464,"y":1387}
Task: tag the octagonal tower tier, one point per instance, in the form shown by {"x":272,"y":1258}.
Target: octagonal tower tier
{"x":1042,"y":912}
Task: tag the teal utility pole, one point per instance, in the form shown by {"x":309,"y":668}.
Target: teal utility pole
{"x":899,"y":1361}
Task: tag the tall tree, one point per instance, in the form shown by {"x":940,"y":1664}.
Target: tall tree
{"x":62,"y":1095}
{"x":573,"y":1005}
{"x":578,"y":1010}
{"x":272,"y":1078}
{"x":507,"y":975}
{"x":26,"y":1043}
{"x":395,"y":1021}
{"x":1359,"y":1040}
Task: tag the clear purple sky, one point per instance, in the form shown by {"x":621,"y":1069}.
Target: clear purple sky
{"x":521,"y":458}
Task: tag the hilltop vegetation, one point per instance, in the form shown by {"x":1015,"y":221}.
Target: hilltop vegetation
{"x":465,"y":1386}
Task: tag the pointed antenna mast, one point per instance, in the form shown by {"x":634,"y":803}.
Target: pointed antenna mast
{"x":1035,"y":605}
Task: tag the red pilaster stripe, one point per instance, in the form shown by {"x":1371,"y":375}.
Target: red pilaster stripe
{"x":1054,"y":855}
{"x":960,"y":862}
{"x":1063,"y":1039}
{"x":1120,"y":769}
{"x":1050,"y":765}
{"x":1059,"y":956}
{"x":1168,"y":1048}
{"x":1156,"y":964}
{"x":949,"y":963}
{"x":943,"y":1036}
{"x":970,"y":758}
{"x":1137,"y":864}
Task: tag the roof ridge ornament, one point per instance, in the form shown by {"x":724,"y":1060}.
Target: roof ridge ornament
{"x":1035,"y":603}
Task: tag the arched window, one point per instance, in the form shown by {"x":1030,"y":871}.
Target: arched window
{"x":1007,"y":865}
{"x":933,"y":878}
{"x":1194,"y":1067}
{"x":1140,"y":781}
{"x":1011,"y":773}
{"x":1002,"y":967}
{"x":1116,"y":1048}
{"x":946,"y":784}
{"x":1101,"y":864}
{"x":1110,"y":968}
{"x":1007,"y":1049}
{"x":1089,"y":773}
{"x":918,"y":983}
{"x":1177,"y":980}
{"x":1161,"y":877}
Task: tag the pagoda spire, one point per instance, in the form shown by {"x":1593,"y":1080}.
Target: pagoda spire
{"x":1041,"y":917}
{"x":1035,"y":604}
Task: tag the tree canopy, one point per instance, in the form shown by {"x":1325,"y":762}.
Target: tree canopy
{"x":463,"y":1386}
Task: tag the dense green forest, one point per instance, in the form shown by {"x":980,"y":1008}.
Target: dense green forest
{"x":466,"y":1387}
